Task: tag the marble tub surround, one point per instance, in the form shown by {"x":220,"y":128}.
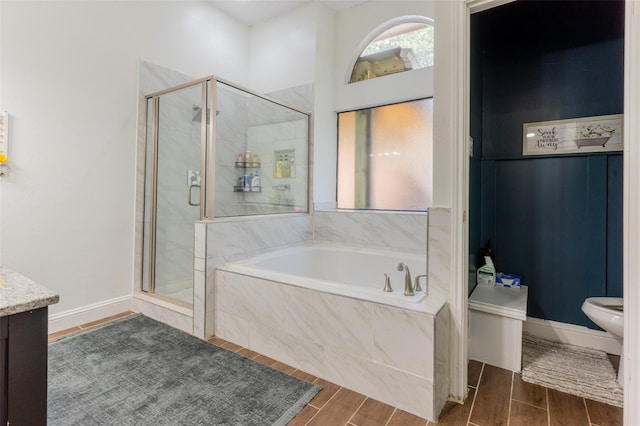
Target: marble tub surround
{"x":384,"y":352}
{"x":396,"y":230}
{"x":439,"y":248}
{"x":20,"y":294}
{"x":241,"y":238}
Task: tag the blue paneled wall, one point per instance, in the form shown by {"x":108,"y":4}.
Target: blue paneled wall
{"x":556,"y":220}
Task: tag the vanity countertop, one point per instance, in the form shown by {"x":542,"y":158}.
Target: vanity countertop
{"x":20,"y":294}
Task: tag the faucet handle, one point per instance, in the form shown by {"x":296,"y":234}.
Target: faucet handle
{"x":417,"y":286}
{"x":387,"y":284}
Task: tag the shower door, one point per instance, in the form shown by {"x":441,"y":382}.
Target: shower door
{"x":172,"y":192}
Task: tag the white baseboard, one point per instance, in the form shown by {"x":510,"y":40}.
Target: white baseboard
{"x":573,"y":335}
{"x":85,"y":314}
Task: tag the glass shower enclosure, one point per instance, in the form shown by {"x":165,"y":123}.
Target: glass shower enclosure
{"x":214,"y":151}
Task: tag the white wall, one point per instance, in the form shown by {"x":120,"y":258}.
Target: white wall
{"x":282,"y":50}
{"x":69,"y":78}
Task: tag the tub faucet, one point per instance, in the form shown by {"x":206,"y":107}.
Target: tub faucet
{"x":408,"y":287}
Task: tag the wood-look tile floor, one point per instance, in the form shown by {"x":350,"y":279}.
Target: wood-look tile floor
{"x":497,"y":397}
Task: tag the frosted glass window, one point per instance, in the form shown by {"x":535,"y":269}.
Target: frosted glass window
{"x":385,"y":157}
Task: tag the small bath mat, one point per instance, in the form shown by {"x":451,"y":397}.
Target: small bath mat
{"x":583,"y":372}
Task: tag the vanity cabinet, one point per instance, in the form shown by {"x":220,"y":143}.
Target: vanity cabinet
{"x":24,"y":368}
{"x":4,"y":333}
{"x":23,"y":350}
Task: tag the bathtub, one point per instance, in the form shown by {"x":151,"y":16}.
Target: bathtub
{"x":340,"y":269}
{"x":320,"y":308}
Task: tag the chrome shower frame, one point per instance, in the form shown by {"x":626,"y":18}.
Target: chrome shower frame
{"x":208,"y":156}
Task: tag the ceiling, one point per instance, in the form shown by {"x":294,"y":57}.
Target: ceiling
{"x":251,"y":12}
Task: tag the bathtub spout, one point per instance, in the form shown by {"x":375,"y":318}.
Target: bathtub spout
{"x":408,"y":287}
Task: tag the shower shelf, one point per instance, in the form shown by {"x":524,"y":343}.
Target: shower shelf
{"x":238,"y":188}
{"x":247,"y":165}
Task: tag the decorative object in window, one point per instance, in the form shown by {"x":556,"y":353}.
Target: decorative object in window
{"x":401,"y":48}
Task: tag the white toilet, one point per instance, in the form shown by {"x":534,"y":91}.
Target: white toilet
{"x":607,"y":313}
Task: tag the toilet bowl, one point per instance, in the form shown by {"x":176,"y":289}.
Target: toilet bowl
{"x":607,"y":313}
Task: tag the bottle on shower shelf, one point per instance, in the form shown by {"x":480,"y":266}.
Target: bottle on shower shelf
{"x":292,"y":167}
{"x":255,"y":182}
{"x":286,"y":168}
{"x":246,"y":183}
{"x":280,"y":167}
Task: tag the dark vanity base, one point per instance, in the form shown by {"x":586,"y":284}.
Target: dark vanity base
{"x":23,"y":368}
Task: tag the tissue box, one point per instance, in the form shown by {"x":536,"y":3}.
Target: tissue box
{"x":508,"y":280}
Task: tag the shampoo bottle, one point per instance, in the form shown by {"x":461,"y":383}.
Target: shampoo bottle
{"x":286,"y":168}
{"x":292,"y":166}
{"x":486,"y":275}
{"x":280,"y":168}
{"x":255,"y":182}
{"x":246,"y":183}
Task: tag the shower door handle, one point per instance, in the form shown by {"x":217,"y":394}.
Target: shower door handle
{"x":191,"y":203}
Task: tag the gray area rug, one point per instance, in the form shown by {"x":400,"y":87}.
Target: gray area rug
{"x":587,"y":373}
{"x":138,"y":371}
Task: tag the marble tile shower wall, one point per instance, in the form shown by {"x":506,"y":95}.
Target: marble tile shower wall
{"x":250,"y":123}
{"x":301,"y":97}
{"x":152,"y":78}
{"x":179,"y":152}
{"x":269,"y":130}
{"x":231,"y":139}
{"x":262,"y":140}
{"x":268,"y":139}
{"x":373,"y":229}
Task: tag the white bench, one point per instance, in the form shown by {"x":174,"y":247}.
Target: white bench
{"x":496,"y":315}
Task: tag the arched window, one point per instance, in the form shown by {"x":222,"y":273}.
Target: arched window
{"x":403,"y":47}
